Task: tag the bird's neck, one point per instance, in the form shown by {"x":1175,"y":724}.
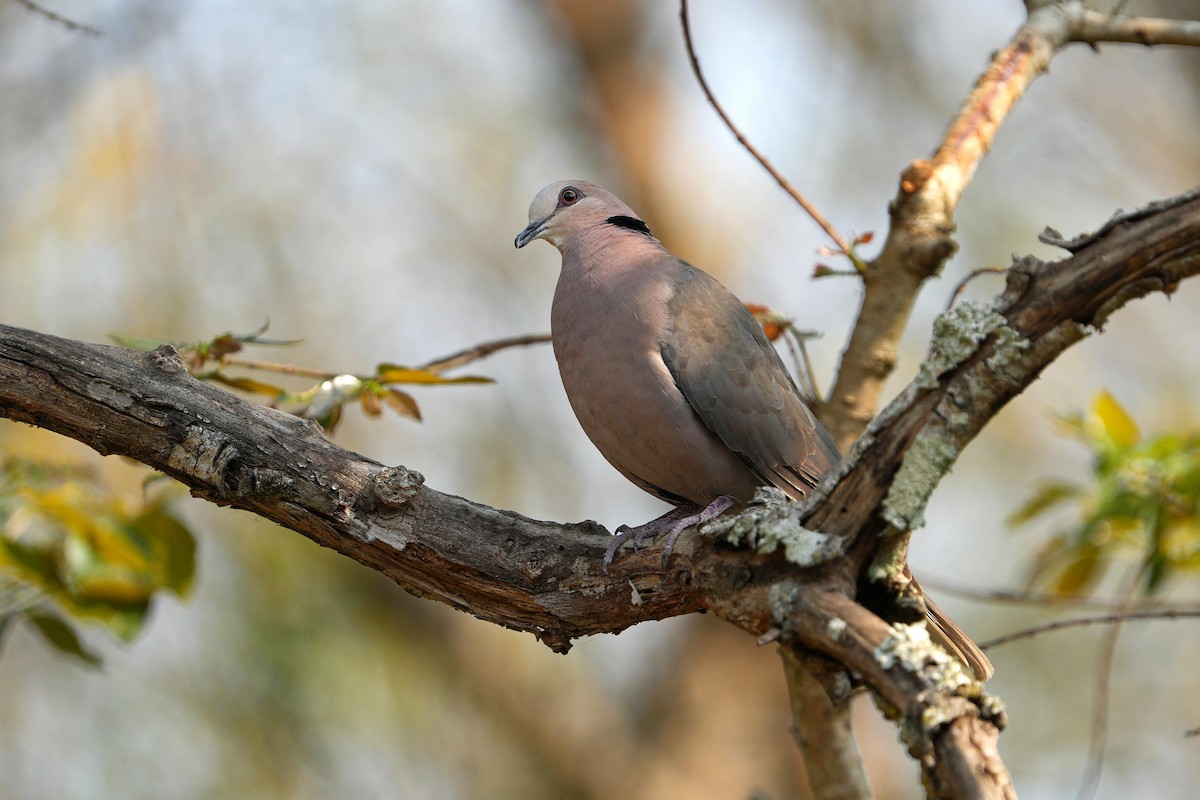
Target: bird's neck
{"x":614,"y":281}
{"x":607,"y":253}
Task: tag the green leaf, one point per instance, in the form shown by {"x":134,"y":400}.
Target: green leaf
{"x":1047,"y":496}
{"x":174,"y":547}
{"x":60,"y":635}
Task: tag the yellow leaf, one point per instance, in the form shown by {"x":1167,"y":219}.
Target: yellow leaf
{"x":1080,"y":573}
{"x":249,"y":385}
{"x":1111,"y":421}
{"x":391,"y":373}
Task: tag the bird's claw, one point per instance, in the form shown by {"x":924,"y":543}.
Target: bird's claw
{"x":679,"y":519}
{"x":623,"y":534}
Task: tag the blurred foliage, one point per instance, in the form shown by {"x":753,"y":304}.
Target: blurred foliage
{"x":1144,"y":505}
{"x":70,"y":546}
{"x":822,"y":270}
{"x":323,"y":401}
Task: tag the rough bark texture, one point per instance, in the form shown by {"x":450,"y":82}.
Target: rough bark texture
{"x":545,"y":577}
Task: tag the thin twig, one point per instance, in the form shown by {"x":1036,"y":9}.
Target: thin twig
{"x":975,"y":273}
{"x":437,"y":365}
{"x":803,"y":365}
{"x":1099,"y":27}
{"x":1031,"y":598}
{"x":282,"y":369}
{"x":1100,"y":714}
{"x":1078,"y":622}
{"x":69,"y":24}
{"x":482,"y":350}
{"x":744,"y":142}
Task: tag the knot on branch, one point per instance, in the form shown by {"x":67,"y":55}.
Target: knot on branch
{"x":914,"y":176}
{"x":395,"y":487}
{"x":204,"y":455}
{"x":166,"y":358}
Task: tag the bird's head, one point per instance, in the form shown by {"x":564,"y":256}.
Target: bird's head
{"x":568,"y":207}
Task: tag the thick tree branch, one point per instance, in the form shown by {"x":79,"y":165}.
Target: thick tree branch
{"x":545,"y":577}
{"x":1045,"y":308}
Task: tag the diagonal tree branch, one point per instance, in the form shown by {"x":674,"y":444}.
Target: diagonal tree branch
{"x":545,"y":577}
{"x":919,"y":239}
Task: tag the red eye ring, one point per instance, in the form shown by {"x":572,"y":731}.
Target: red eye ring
{"x":569,"y":196}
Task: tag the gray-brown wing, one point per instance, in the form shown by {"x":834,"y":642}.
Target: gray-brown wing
{"x":738,"y":386}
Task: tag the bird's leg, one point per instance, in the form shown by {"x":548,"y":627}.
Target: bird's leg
{"x":640,"y":533}
{"x":713,"y":509}
{"x":674,"y":522}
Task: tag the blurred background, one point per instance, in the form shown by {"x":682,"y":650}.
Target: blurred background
{"x":355,"y":172}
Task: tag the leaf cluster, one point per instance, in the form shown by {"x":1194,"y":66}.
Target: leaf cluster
{"x":70,"y":546}
{"x":1143,"y":504}
{"x":323,"y":401}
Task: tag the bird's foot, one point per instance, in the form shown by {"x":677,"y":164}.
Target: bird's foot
{"x":674,"y":522}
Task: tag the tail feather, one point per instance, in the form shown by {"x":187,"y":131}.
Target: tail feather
{"x":954,"y":639}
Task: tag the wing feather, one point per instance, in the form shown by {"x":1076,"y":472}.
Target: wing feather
{"x":736,"y":383}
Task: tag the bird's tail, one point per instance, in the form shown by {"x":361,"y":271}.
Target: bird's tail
{"x":954,"y":639}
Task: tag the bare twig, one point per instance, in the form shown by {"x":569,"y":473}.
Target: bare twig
{"x":1096,"y":27}
{"x":943,"y":586}
{"x":975,"y":273}
{"x":1100,"y":711}
{"x":1079,"y":622}
{"x":783,"y":182}
{"x":437,"y":365}
{"x":482,"y":350}
{"x":281,"y":369}
{"x":58,"y":19}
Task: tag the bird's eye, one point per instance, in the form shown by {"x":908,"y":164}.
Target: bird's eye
{"x":568,"y":196}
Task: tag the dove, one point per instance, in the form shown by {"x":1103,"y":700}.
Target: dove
{"x":672,"y":378}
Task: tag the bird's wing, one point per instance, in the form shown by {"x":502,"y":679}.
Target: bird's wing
{"x":736,"y":383}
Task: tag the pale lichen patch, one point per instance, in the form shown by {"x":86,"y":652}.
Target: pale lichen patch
{"x":1008,"y":345}
{"x":957,"y":334}
{"x":769,"y":522}
{"x":928,"y":459}
{"x":910,"y":648}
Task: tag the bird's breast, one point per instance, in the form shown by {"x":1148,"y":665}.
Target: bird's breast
{"x":607,"y":336}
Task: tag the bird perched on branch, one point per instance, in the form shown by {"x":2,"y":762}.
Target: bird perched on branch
{"x":672,"y":378}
